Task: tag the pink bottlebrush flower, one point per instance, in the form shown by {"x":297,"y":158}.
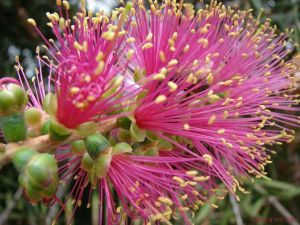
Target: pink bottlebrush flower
{"x":152,"y":188}
{"x":88,"y":60}
{"x":229,"y":95}
{"x":216,"y":87}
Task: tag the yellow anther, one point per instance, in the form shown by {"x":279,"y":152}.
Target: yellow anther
{"x":203,"y":42}
{"x":58,"y":2}
{"x":100,"y":56}
{"x":118,"y":81}
{"x":190,"y":78}
{"x":100,"y":67}
{"x":160,"y":99}
{"x":184,"y":209}
{"x":186,"y":48}
{"x":186,"y":126}
{"x":212,"y":119}
{"x":109,"y":35}
{"x":184,"y":197}
{"x":91,"y":98}
{"x":159,"y":76}
{"x":130,"y":40}
{"x":78,"y":46}
{"x":165,"y":200}
{"x":173,"y":87}
{"x":32,"y":22}
{"x":208,"y":159}
{"x":191,"y":173}
{"x":147,"y":46}
{"x":268,"y":73}
{"x":214,"y":206}
{"x":61,"y":23}
{"x":130,"y":54}
{"x":245,"y":55}
{"x":209,"y":78}
{"x":66,"y":5}
{"x":221,"y":131}
{"x":149,"y":37}
{"x":80,"y":105}
{"x":201,"y":178}
{"x":74,"y":90}
{"x":174,"y":36}
{"x":162,"y":56}
{"x":119,"y":209}
{"x":173,"y":62}
{"x":213,"y":98}
{"x":178,"y":179}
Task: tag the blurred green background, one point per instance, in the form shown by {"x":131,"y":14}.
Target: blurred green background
{"x":276,"y":202}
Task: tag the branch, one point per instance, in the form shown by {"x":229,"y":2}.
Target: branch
{"x":43,"y":144}
{"x":284,"y":212}
{"x":236,"y":210}
{"x":12,"y":204}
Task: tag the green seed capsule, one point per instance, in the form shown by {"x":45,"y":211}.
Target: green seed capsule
{"x":78,"y":147}
{"x":19,"y":93}
{"x":151,"y":152}
{"x":33,"y":116}
{"x":42,"y":168}
{"x":14,"y":128}
{"x":7,"y":100}
{"x":96,"y":144}
{"x":58,"y":132}
{"x":22,"y":157}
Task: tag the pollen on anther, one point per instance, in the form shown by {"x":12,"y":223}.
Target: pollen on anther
{"x":160,"y":99}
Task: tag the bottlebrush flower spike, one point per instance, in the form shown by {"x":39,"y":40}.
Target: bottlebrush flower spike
{"x":89,"y":61}
{"x":229,"y":96}
{"x":152,"y":188}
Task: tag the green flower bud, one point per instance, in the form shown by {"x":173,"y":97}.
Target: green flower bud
{"x":151,"y":136}
{"x":102,"y":166}
{"x":136,"y":133}
{"x":123,"y":135}
{"x":164,"y":145}
{"x":50,"y":104}
{"x":43,"y":169}
{"x":151,"y":152}
{"x":51,"y":189}
{"x":7,"y":100}
{"x":33,"y":195}
{"x":96,"y":144}
{"x":87,"y":162}
{"x":45,"y":128}
{"x":121,"y":148}
{"x":22,"y":157}
{"x":58,"y":132}
{"x":86,"y":129}
{"x":14,"y":128}
{"x":78,"y":147}
{"x":19,"y":93}
{"x":124,"y":122}
{"x":33,"y":116}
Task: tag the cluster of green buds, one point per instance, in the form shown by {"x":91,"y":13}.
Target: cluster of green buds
{"x":38,"y":173}
{"x":144,"y":142}
{"x":13,"y":100}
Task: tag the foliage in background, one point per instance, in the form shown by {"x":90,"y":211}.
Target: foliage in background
{"x":275,"y":202}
